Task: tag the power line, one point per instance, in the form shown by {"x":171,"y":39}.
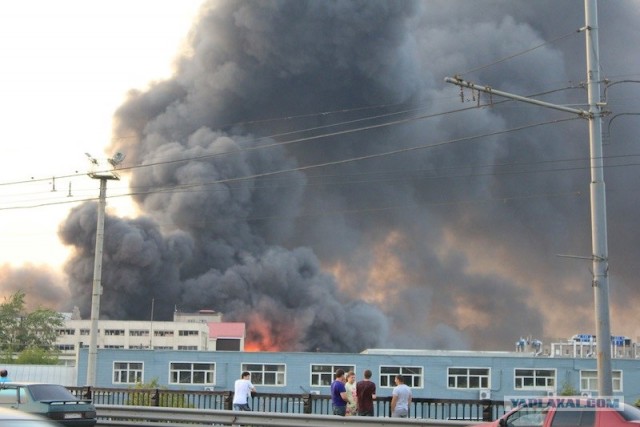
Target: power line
{"x":354,"y":130}
{"x":506,"y":58}
{"x":320,"y":165}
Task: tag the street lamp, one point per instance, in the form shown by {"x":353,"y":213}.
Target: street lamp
{"x":103,"y":176}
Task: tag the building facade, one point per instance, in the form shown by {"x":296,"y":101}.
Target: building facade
{"x":200,"y":331}
{"x":430,"y":374}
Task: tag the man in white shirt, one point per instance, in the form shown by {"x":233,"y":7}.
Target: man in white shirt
{"x":401,"y":399}
{"x":243,"y":389}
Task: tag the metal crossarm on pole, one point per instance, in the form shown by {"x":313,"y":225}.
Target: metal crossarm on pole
{"x":489,"y":90}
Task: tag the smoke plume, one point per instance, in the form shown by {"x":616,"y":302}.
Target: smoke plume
{"x":259,"y":200}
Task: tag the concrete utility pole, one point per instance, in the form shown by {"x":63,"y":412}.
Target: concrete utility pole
{"x":103,"y":176}
{"x":600,"y":256}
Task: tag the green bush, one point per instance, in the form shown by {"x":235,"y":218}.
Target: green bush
{"x":149,"y":393}
{"x":568,"y":390}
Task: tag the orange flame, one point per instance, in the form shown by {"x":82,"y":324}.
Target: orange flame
{"x":277,"y":333}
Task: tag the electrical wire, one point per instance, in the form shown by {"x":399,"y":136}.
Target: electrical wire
{"x":314,"y":166}
{"x":422,"y":117}
{"x":506,"y":58}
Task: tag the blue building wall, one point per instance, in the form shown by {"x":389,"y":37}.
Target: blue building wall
{"x":435,"y":366}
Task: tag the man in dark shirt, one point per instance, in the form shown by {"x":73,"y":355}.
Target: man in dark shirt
{"x":366,"y":393}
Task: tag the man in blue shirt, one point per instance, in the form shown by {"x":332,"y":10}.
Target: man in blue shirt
{"x":339,"y":394}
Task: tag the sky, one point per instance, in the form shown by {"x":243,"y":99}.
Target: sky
{"x":66,"y":67}
{"x":303,"y":167}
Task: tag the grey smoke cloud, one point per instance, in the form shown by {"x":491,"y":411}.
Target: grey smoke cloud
{"x":450,"y":247}
{"x":41,"y":285}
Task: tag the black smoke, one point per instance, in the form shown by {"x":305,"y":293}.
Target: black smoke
{"x":449,"y":247}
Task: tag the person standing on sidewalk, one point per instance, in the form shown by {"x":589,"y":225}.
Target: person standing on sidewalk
{"x":242,"y":392}
{"x":366,"y":393}
{"x":350,"y":386}
{"x":339,"y":394}
{"x":401,"y":399}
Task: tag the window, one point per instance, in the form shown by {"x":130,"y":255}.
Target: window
{"x":114,"y":331}
{"x":322,"y":375}
{"x":163,"y":333}
{"x":265,"y":374}
{"x":127,"y":372}
{"x":66,"y":331}
{"x":187,"y":347}
{"x":527,"y":416}
{"x":139,"y":333}
{"x":228,"y":344}
{"x":468,"y":377}
{"x":86,"y":331}
{"x":412,"y":375}
{"x":535,"y":379}
{"x":113,"y":346}
{"x":573,"y":418}
{"x":192,"y":373}
{"x":589,"y":380}
{"x":8,"y":396}
{"x":66,"y":347}
{"x":188,"y":333}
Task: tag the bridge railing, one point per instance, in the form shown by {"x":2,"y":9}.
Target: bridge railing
{"x":424,"y":408}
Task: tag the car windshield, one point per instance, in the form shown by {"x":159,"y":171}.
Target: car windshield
{"x":42,"y":392}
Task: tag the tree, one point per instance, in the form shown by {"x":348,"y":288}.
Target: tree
{"x":36,"y":356}
{"x":21,"y":331}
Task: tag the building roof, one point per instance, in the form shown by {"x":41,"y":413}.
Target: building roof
{"x":447,"y":353}
{"x":226,"y":330}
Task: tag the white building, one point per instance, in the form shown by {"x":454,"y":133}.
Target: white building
{"x":200,"y":331}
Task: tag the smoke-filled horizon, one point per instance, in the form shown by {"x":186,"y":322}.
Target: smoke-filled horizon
{"x":259,"y":200}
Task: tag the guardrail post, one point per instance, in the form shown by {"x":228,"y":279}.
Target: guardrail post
{"x":228,"y":400}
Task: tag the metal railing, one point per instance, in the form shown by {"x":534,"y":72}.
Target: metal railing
{"x":421,"y":408}
{"x":146,"y":416}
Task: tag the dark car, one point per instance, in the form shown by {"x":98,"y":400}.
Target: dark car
{"x":13,"y":418}
{"x":52,"y":401}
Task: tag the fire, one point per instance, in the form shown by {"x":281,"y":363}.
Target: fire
{"x":275,"y":333}
{"x":254,"y":347}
